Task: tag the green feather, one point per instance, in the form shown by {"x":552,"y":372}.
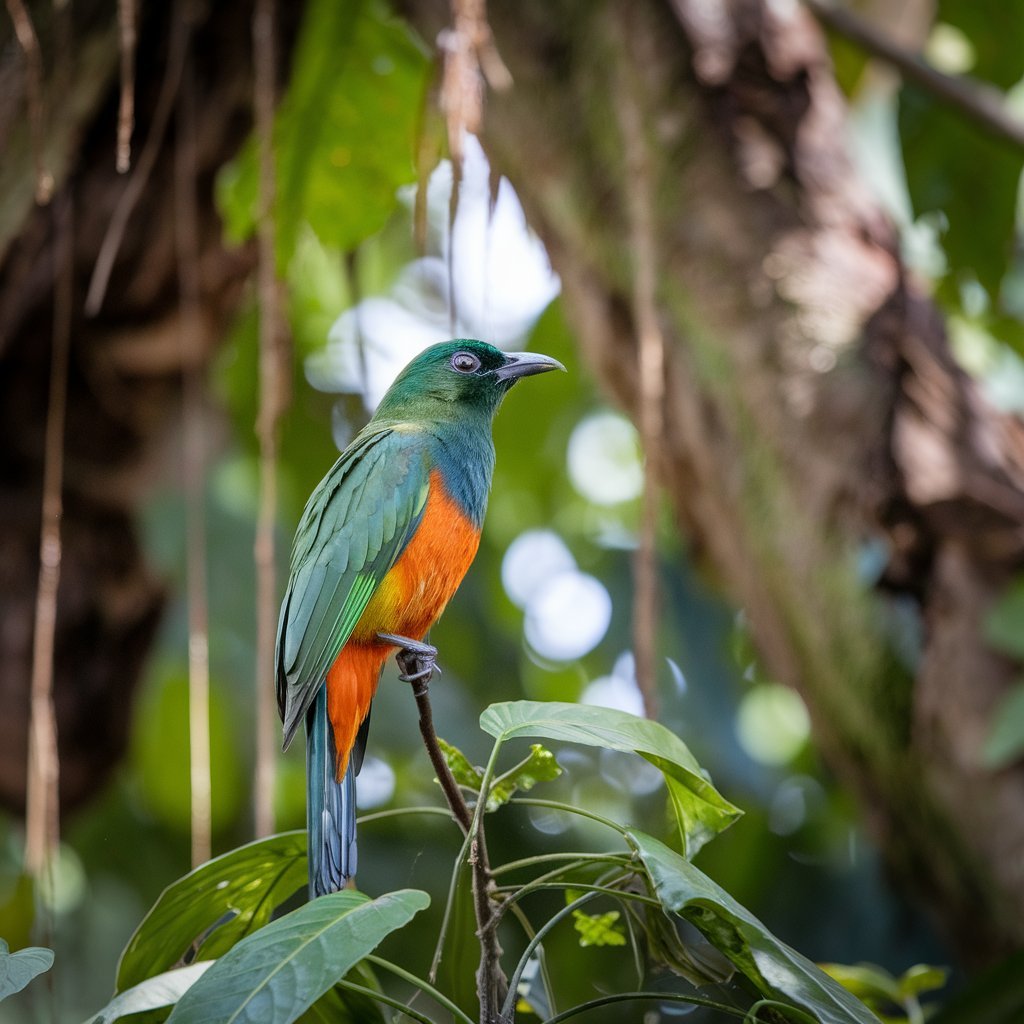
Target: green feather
{"x":342,"y":552}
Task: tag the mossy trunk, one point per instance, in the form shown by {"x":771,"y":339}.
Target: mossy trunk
{"x":812,"y":407}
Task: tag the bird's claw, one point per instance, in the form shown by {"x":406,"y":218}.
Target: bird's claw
{"x":417,"y":660}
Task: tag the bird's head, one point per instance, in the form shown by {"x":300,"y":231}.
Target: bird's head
{"x":459,"y":378}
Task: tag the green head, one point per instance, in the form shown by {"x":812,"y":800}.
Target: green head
{"x":460,"y":379}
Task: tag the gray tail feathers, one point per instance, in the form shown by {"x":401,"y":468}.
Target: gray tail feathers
{"x":330,"y":806}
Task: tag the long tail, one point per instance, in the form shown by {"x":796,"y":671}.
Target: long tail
{"x":330,"y":806}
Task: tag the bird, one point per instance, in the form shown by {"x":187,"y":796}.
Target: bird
{"x":381,"y":547}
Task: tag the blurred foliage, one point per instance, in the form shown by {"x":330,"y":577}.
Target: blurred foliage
{"x":345,"y":138}
{"x":345,"y":129}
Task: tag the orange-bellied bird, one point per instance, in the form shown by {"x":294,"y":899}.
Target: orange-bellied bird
{"x":383,"y":544}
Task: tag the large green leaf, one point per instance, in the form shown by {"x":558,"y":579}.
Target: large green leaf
{"x":243,"y":887}
{"x":777,"y":971}
{"x":702,"y":812}
{"x":343,"y":136}
{"x":161,"y":990}
{"x":18,"y":969}
{"x":277,"y":973}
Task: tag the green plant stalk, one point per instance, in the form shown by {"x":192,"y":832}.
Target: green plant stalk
{"x":545,"y":858}
{"x":397,"y":1004}
{"x":513,"y":985}
{"x":518,"y":891}
{"x":529,"y":801}
{"x":492,"y":985}
{"x":491,"y":982}
{"x":424,"y":986}
{"x":618,"y":894}
{"x":520,"y":915}
{"x":460,"y":859}
{"x":664,"y":997}
{"x":396,"y":812}
{"x":751,"y":1016}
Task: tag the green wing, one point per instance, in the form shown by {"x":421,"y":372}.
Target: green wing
{"x":355,"y":525}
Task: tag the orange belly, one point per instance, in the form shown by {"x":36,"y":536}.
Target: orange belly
{"x":408,"y":601}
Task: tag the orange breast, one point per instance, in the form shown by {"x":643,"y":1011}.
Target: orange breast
{"x":408,"y":601}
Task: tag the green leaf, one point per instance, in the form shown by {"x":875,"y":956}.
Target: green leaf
{"x":18,"y":969}
{"x":458,"y":764}
{"x":777,"y":971}
{"x":868,"y":982}
{"x":162,"y":990}
{"x":701,"y":811}
{"x":1005,"y":741}
{"x":599,"y":929}
{"x":922,"y":978}
{"x":1004,"y":624}
{"x":247,"y":884}
{"x":696,"y":959}
{"x":344,"y":133}
{"x":540,"y":766}
{"x":277,"y":973}
{"x":942,"y":151}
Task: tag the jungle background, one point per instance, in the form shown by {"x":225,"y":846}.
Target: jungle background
{"x":777,"y":501}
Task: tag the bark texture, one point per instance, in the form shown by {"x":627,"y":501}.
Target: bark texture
{"x":812,"y":407}
{"x":126,"y":362}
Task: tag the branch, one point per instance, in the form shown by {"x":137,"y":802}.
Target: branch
{"x":25,"y":32}
{"x":187,"y":247}
{"x":42,"y":800}
{"x":650,"y":344}
{"x":126,"y":16}
{"x":272,"y":391}
{"x":136,"y":184}
{"x":980,"y":102}
{"x":492,"y":985}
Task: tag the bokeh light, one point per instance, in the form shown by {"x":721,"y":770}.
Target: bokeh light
{"x":772,"y":724}
{"x":617,"y":690}
{"x":531,"y":559}
{"x":568,"y":615}
{"x":375,"y":783}
{"x":604,"y":459}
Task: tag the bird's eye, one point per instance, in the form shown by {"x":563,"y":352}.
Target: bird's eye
{"x":465,"y":362}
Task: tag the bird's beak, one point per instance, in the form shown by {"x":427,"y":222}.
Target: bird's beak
{"x":525,"y":364}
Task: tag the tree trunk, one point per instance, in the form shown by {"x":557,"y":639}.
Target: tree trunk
{"x":811,"y":403}
{"x":123,"y":406}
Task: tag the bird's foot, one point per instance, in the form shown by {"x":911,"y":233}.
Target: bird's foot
{"x":417,"y":660}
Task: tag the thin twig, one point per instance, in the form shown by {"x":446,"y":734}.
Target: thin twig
{"x":453,"y":213}
{"x":143,"y":169}
{"x":29,"y":43}
{"x":650,"y":364}
{"x":126,"y":108}
{"x":470,"y":59}
{"x":350,"y":263}
{"x":42,"y":815}
{"x":492,"y":985}
{"x":187,"y":245}
{"x":980,"y":102}
{"x":272,"y":402}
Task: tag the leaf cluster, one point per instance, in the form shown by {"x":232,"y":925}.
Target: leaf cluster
{"x":218,"y":946}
